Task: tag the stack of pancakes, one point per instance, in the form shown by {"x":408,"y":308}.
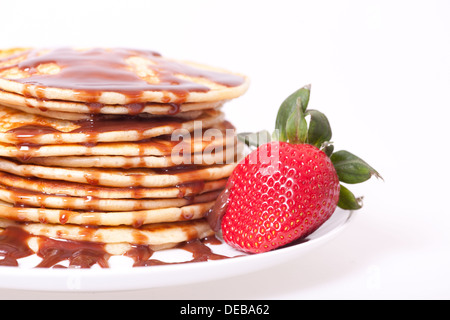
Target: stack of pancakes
{"x":116,"y":146}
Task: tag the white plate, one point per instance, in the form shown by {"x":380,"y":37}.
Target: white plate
{"x":121,"y":276}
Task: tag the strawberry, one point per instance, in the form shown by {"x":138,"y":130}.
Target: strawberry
{"x":286,"y":189}
{"x":268,"y":211}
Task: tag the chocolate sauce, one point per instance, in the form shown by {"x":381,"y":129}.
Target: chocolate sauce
{"x":194,"y":187}
{"x":176,"y":108}
{"x":27,"y":151}
{"x":215,"y":214}
{"x":140,"y":254}
{"x":29,"y":131}
{"x":79,"y":254}
{"x":182,"y":168}
{"x":100,"y":124}
{"x":83,"y":254}
{"x":200,"y":252}
{"x":96,"y":125}
{"x":94,"y":71}
{"x":13,"y":246}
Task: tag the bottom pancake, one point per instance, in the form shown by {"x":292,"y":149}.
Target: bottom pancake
{"x":84,"y":247}
{"x":157,"y":234}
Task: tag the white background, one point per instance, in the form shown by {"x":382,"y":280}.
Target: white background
{"x":380,"y":70}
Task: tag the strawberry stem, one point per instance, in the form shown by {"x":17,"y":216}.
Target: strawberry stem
{"x":319,"y":131}
{"x":296,"y":125}
{"x":287,"y":108}
{"x":292,"y":126}
{"x":255,"y":139}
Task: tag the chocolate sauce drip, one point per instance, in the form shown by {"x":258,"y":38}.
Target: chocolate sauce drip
{"x":140,"y":254}
{"x":13,"y":246}
{"x":99,"y":124}
{"x":83,"y":254}
{"x":80,"y":254}
{"x":215,"y":214}
{"x":200,"y":252}
{"x":182,"y":168}
{"x":195,"y":187}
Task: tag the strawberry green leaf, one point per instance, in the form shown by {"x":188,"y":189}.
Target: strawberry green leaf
{"x":255,"y":139}
{"x":351,"y":169}
{"x":296,"y":126}
{"x":319,"y":128}
{"x":348,"y":201}
{"x":287,"y":108}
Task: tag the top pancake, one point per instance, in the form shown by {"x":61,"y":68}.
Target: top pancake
{"x":113,"y":76}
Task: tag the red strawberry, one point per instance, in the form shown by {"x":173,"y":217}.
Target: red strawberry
{"x":286,"y":189}
{"x":268,"y":211}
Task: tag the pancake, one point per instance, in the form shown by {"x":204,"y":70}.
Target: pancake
{"x":219,"y":138}
{"x":28,"y":198}
{"x":17,"y":127}
{"x":54,"y":187}
{"x":134,"y":218}
{"x":137,"y":162}
{"x":121,"y":178}
{"x":211,"y":155}
{"x":69,"y":110}
{"x":155,"y":234}
{"x":189,"y":114}
{"x":40,"y":244}
{"x":113,"y":76}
